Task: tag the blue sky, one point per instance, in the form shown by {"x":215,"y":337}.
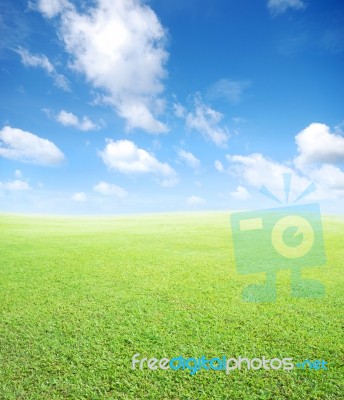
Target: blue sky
{"x":125,"y":106}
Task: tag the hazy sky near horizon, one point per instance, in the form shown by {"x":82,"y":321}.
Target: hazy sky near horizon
{"x":120,"y":106}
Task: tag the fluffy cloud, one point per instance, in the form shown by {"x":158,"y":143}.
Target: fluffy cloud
{"x":318,"y":150}
{"x":17,"y":184}
{"x":240,"y":193}
{"x":109,"y":189}
{"x":316,"y":144}
{"x":79,"y":197}
{"x":206,"y":120}
{"x":119,"y":46}
{"x":189,"y":159}
{"x":69,"y":119}
{"x":219,"y":166}
{"x":124,"y":156}
{"x":195,"y":201}
{"x":232,"y":91}
{"x":280,"y":6}
{"x":332,"y":176}
{"x":179,"y":110}
{"x":18,"y":174}
{"x":23,"y":146}
{"x":257,"y":171}
{"x":50,"y":8}
{"x":41,"y":61}
{"x":329,"y":180}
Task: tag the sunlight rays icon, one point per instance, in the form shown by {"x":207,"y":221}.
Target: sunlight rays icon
{"x":287,"y":177}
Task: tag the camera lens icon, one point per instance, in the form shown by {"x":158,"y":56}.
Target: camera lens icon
{"x":292,"y":236}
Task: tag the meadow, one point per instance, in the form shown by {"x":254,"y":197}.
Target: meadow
{"x":80,"y":296}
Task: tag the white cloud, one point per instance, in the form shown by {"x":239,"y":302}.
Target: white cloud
{"x":316,"y":144}
{"x":23,"y":146}
{"x":257,"y":171}
{"x":219,"y":166}
{"x":179,"y":110}
{"x":240,"y":193}
{"x":329,"y":176}
{"x":318,"y":149}
{"x":69,"y":119}
{"x":119,"y":46}
{"x":339,"y":128}
{"x":189,"y":159}
{"x":206,"y":120}
{"x":18,"y":174}
{"x":169,"y":182}
{"x":109,"y":189}
{"x":79,"y":197}
{"x":41,"y":61}
{"x":50,"y":8}
{"x":280,"y":6}
{"x":15,"y":185}
{"x":47,"y":112}
{"x":124,"y":156}
{"x":195,"y":201}
{"x":329,"y":181}
{"x":232,"y":91}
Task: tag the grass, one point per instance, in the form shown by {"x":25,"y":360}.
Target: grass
{"x":80,"y":296}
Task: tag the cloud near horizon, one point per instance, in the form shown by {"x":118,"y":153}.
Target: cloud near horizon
{"x":79,"y":197}
{"x":110,"y":189}
{"x":318,"y":149}
{"x":240,"y":193}
{"x":16,"y":184}
{"x":124,"y":156}
{"x":195,"y":201}
{"x":317,"y":144}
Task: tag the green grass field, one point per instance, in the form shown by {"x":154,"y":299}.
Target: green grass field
{"x":80,"y":296}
